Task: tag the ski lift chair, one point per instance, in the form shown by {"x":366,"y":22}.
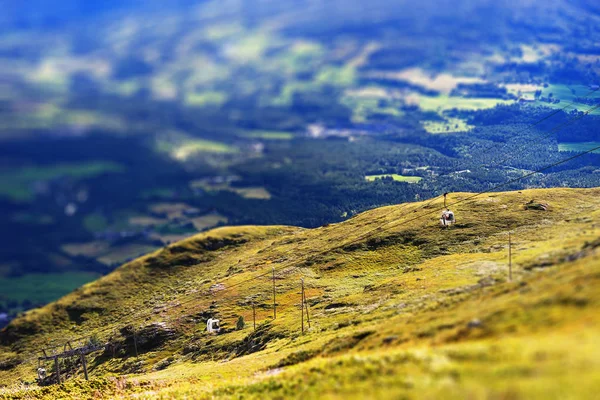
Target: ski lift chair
{"x":447,"y":218}
{"x":41,"y":372}
{"x":212,"y":326}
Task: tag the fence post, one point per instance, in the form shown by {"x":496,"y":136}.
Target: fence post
{"x":306,"y":307}
{"x":509,"y":258}
{"x":254,"y":314}
{"x":57,"y":369}
{"x":302,"y":305}
{"x":85,"y":371}
{"x":274,"y":300}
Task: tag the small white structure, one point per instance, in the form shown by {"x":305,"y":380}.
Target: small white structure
{"x":212,"y":326}
{"x":41,"y":373}
{"x":447,"y":218}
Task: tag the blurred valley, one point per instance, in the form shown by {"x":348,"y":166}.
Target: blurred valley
{"x":128,"y":125}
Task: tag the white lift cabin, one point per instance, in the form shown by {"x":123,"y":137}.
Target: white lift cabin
{"x":447,"y":217}
{"x":212,"y":326}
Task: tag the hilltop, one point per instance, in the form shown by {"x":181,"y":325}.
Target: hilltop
{"x":398,"y":307}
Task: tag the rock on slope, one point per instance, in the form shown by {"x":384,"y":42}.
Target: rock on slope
{"x":398,"y":307}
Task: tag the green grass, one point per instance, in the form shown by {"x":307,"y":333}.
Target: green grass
{"x":17,"y":182}
{"x":250,"y":47}
{"x":567,"y":95}
{"x":396,"y":177}
{"x":208,"y":221}
{"x":400,"y":308}
{"x":253,"y":192}
{"x":336,"y":76}
{"x":182,"y":149}
{"x":43,"y":288}
{"x":95,"y":222}
{"x":448,"y":125}
{"x":444,"y":103}
{"x":268,"y":135}
{"x":258,"y":193}
{"x":364,"y":107}
{"x":206,"y":99}
{"x":567,"y":92}
{"x":578,"y":147}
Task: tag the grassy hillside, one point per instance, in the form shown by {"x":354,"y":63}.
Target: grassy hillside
{"x":399,"y":307}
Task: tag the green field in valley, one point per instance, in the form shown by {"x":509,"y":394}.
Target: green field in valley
{"x":578,"y":147}
{"x":396,"y":177}
{"x":43,"y":288}
{"x":17,"y":183}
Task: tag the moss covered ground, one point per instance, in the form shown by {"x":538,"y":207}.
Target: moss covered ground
{"x":399,"y":308}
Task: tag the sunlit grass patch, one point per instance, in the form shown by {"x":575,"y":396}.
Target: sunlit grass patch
{"x":208,"y":221}
{"x":568,"y":96}
{"x":444,"y":102}
{"x":146,"y":221}
{"x":336,"y":76}
{"x":182,"y":147}
{"x":252,"y":192}
{"x":201,"y":146}
{"x":250,"y":47}
{"x":208,"y":98}
{"x":222,"y":31}
{"x":396,"y":177}
{"x":268,"y":135}
{"x":172,"y":210}
{"x":285,"y":96}
{"x":367,"y":102}
{"x":443,"y":83}
{"x":568,"y":92}
{"x":448,"y":125}
{"x":259,"y":193}
{"x":578,"y":147}
{"x":90,"y":249}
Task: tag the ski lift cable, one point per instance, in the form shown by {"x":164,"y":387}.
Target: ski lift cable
{"x":435,"y":198}
{"x":380,"y":229}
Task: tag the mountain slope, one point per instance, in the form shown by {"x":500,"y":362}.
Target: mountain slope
{"x":398,"y":307}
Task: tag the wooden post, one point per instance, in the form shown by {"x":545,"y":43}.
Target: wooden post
{"x":302,"y":305}
{"x":254,"y":314}
{"x":85,"y":371}
{"x":509,"y":258}
{"x":306,"y":307}
{"x":57,"y":369}
{"x":274,"y":300}
{"x":135,"y":341}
